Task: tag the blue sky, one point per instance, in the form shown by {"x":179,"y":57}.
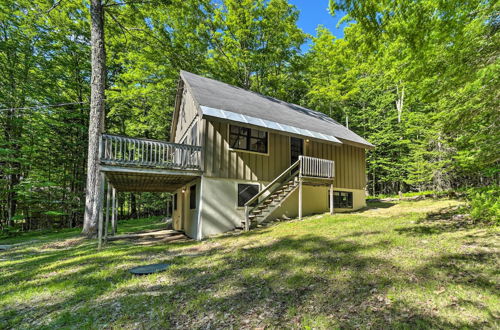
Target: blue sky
{"x":314,"y":13}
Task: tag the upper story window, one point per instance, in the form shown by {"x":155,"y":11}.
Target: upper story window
{"x":249,"y":139}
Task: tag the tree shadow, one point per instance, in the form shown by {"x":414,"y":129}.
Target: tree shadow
{"x":438,"y":222}
{"x":373,"y":205}
{"x":288,"y":281}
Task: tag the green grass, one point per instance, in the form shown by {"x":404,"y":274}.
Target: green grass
{"x":391,"y":265}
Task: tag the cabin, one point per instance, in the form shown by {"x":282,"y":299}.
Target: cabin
{"x":238,"y":159}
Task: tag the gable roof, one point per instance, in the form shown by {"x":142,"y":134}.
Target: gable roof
{"x":218,"y":99}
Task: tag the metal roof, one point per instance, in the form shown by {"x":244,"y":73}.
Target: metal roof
{"x":241,"y":118}
{"x":221,"y":100}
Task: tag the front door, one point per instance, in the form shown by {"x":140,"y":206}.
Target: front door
{"x":296,"y":149}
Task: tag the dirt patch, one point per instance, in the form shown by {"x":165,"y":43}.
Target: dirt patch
{"x":64,"y":244}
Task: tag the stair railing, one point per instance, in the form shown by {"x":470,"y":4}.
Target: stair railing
{"x":289,"y":173}
{"x":304,"y":167}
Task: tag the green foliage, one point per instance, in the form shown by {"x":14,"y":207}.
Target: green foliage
{"x":484,"y":204}
{"x":417,"y":79}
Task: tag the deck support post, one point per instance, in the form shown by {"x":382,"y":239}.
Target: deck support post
{"x":331,"y":199}
{"x":113,"y":212}
{"x":300,"y":198}
{"x":108,"y":203}
{"x":101,"y":211}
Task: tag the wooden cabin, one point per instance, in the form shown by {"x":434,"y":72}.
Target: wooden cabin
{"x":237,"y":159}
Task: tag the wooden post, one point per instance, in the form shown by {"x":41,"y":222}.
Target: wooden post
{"x":168,"y":208}
{"x":331,"y":198}
{"x":108,"y":201}
{"x":247,"y":219}
{"x":300,"y":198}
{"x":113,"y":213}
{"x":101,"y":211}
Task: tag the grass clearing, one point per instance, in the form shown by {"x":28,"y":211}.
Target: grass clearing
{"x":391,"y":264}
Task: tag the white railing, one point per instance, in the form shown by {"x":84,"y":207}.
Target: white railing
{"x":304,"y":167}
{"x":316,"y":167}
{"x":121,"y":150}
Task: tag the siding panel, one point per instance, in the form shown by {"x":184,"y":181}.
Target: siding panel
{"x":222,"y":162}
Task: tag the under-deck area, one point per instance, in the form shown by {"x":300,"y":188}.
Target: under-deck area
{"x":141,"y":165}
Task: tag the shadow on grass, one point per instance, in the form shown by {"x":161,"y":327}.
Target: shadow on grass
{"x":438,"y":222}
{"x":373,"y":205}
{"x":291,"y":281}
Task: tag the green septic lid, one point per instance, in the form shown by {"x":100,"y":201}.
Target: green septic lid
{"x":149,"y":269}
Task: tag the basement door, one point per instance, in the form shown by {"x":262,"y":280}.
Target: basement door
{"x":296,"y":149}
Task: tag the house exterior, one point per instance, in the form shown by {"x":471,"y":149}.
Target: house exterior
{"x":237,"y":159}
{"x":248,"y":141}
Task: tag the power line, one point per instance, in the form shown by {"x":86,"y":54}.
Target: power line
{"x":43,"y":106}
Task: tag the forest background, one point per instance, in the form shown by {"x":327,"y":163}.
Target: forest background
{"x":418,"y":79}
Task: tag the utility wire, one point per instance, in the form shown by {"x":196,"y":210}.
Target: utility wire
{"x":44,"y":106}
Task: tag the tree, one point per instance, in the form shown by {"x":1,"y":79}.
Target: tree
{"x":96,"y":120}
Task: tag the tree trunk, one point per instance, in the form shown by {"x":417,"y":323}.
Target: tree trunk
{"x":96,"y":121}
{"x":133,"y":206}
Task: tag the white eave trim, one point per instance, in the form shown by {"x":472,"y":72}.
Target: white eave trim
{"x":237,"y":117}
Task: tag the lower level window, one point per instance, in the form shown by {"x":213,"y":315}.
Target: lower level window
{"x":246,"y":192}
{"x":341,"y":199}
{"x":192,"y":197}
{"x":174,"y":201}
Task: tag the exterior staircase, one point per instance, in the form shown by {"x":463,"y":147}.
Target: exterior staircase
{"x":261,"y":213}
{"x":259,"y":208}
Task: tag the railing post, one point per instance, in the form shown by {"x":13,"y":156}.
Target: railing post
{"x":101,"y":211}
{"x":300,"y":198}
{"x":100,"y":147}
{"x":247,"y":219}
{"x":113,"y":213}
{"x":331,"y":198}
{"x":108,"y":200}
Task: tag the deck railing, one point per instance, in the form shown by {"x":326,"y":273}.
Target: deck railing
{"x":123,"y":150}
{"x":316,"y":167}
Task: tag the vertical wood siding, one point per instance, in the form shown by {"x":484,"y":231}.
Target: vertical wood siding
{"x":187,"y":113}
{"x":221,"y":162}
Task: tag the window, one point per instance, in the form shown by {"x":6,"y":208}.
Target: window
{"x":341,"y":199}
{"x":192,"y":197}
{"x":245,"y":138}
{"x":174,"y":201}
{"x":246,"y":192}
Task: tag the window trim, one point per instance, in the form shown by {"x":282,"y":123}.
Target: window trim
{"x":335,"y":204}
{"x":245,"y":183}
{"x":244,"y":150}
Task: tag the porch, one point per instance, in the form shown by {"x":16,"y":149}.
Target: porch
{"x":141,"y":165}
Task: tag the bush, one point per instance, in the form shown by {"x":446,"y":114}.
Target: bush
{"x":484,"y":204}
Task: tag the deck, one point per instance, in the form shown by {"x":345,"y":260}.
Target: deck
{"x":145,"y":165}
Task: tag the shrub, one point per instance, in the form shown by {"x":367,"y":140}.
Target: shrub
{"x":484,"y":204}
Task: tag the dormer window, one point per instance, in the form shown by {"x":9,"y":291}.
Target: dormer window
{"x":249,"y":139}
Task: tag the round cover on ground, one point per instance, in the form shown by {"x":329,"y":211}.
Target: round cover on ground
{"x":149,"y":269}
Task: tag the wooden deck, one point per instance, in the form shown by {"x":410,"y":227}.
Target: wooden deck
{"x":145,"y":165}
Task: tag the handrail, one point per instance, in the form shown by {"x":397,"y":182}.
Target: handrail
{"x":317,"y":167}
{"x":308,"y":167}
{"x":287,"y":171}
{"x":123,"y":150}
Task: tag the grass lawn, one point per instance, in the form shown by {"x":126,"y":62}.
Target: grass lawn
{"x":391,"y":265}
